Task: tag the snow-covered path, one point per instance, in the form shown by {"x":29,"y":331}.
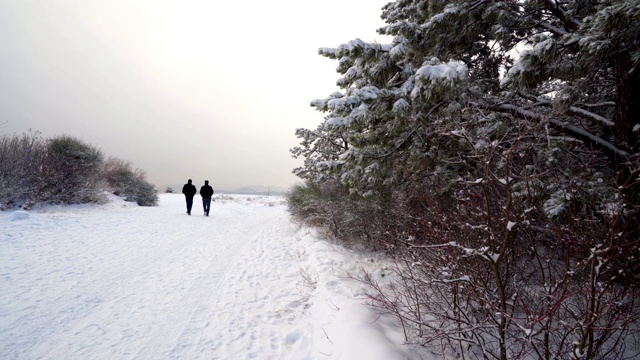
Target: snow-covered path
{"x":125,"y":282}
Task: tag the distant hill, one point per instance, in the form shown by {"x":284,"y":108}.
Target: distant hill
{"x":248,"y":190}
{"x":253,"y":190}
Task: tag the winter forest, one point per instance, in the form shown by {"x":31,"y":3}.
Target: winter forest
{"x":491,"y":149}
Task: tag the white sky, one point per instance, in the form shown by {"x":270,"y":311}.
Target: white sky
{"x":183,"y":89}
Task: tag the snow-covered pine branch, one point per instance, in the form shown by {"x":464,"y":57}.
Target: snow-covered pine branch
{"x":564,"y":126}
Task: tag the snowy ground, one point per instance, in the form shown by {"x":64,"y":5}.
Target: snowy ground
{"x":118,"y":281}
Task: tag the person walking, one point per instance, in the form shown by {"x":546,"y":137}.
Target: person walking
{"x":206,"y":191}
{"x":189,"y":191}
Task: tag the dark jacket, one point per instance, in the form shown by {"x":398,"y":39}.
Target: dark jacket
{"x":189,"y":190}
{"x":206,"y":191}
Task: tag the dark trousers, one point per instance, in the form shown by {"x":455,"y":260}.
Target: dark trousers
{"x":189,"y":203}
{"x":206,"y":204}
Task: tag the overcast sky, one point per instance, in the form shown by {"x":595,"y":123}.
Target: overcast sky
{"x":181,"y":88}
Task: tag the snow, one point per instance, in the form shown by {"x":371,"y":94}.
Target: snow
{"x":556,"y":203}
{"x":18,"y":215}
{"x":448,"y":72}
{"x":339,"y":121}
{"x":397,"y":51}
{"x":401,"y":105}
{"x":494,"y":257}
{"x":542,"y":46}
{"x":118,"y":281}
{"x":351,"y":45}
{"x":516,"y":70}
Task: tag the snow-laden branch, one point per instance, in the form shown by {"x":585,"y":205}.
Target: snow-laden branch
{"x":483,"y":252}
{"x":563,"y":125}
{"x":553,"y":29}
{"x":544,"y":102}
{"x":407,"y":137}
{"x":562,"y":15}
{"x":445,"y":73}
{"x":604,"y":103}
{"x":475,"y":4}
{"x":595,"y":116}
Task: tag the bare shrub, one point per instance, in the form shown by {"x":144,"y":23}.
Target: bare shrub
{"x":21,"y":159}
{"x":514,"y":260}
{"x":64,"y":170}
{"x":318,"y":205}
{"x":61,"y":170}
{"x":129,"y":183}
{"x":372,"y":221}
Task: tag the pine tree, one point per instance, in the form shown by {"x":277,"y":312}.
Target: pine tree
{"x":557,"y":63}
{"x":508,"y":122}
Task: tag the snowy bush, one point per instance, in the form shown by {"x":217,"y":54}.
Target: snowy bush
{"x":492,"y":274}
{"x":354,"y":219}
{"x":129,"y":183}
{"x":145,"y":193}
{"x":72,"y":172}
{"x":316,"y":204}
{"x":21,"y":159}
{"x":63,"y":170}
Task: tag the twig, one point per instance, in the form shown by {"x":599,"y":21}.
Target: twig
{"x":327,"y":335}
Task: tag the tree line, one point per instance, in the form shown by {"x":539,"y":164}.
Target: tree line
{"x":65,"y":170}
{"x":492,"y":150}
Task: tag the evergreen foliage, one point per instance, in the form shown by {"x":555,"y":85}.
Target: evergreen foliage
{"x":329,"y":206}
{"x":506,"y":133}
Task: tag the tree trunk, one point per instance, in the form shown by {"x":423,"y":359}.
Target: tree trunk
{"x":627,"y":111}
{"x":626,"y":116}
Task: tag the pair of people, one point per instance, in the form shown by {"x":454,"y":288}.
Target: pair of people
{"x":206,"y":191}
